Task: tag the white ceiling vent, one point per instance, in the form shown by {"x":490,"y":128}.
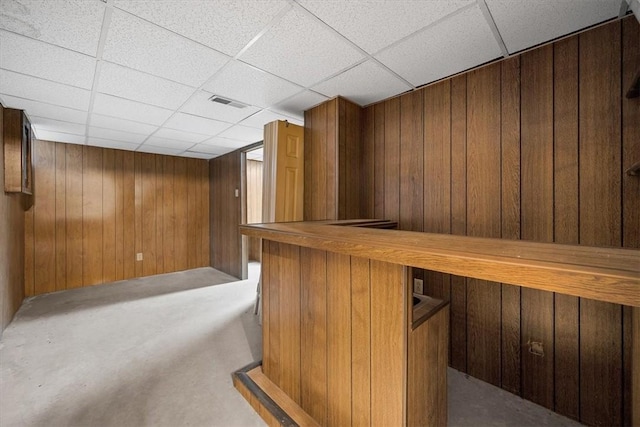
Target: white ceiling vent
{"x":229,"y":102}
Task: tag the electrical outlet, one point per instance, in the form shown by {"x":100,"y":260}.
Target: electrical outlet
{"x":418,"y":286}
{"x":139,"y":256}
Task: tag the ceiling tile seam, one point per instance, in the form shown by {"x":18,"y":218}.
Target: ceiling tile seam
{"x":269,"y":73}
{"x":494,"y":28}
{"x":265,"y":30}
{"x":48,"y":43}
{"x":182,"y":36}
{"x":106,"y":21}
{"x":43,"y":79}
{"x":43,"y":102}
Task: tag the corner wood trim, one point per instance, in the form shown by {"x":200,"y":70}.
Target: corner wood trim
{"x":263,"y":398}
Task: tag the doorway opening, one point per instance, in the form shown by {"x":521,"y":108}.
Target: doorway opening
{"x":252,"y":168}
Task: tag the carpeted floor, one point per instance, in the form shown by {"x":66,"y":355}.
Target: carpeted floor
{"x":159,"y":351}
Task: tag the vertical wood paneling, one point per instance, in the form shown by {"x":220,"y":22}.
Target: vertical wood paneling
{"x":313,"y":336}
{"x":387,"y":344}
{"x":96,"y":208}
{"x":630,"y":213}
{"x":318,"y":179}
{"x":360,"y":342}
{"x":537,"y":219}
{"x":331,"y":150}
{"x":379,"y":159}
{"x":289,"y":284}
{"x":74,"y":216}
{"x":92,"y":235}
{"x":411,"y":158}
{"x":368,"y":165}
{"x":339,"y":339}
{"x":130,"y":208}
{"x":44,"y":224}
{"x":510,"y":145}
{"x":149,"y":248}
{"x":458,"y":307}
{"x":29,"y":282}
{"x":600,"y":214}
{"x":309,"y":163}
{"x":483,"y":218}
{"x":192,"y":208}
{"x":272,"y":363}
{"x":181,"y":184}
{"x":265,"y":302}
{"x":566,"y":315}
{"x":61,"y":226}
{"x":392,"y":159}
{"x":108,"y":216}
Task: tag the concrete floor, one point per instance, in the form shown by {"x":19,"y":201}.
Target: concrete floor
{"x":159,"y":351}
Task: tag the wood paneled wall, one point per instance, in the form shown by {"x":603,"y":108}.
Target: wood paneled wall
{"x":333,"y":150}
{"x":254,"y":204}
{"x":532,"y":147}
{"x":226,"y":213}
{"x":11,"y":246}
{"x":95,"y":209}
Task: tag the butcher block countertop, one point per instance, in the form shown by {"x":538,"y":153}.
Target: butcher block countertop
{"x":604,"y":274}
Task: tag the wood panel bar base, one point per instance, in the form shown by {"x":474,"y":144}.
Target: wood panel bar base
{"x":268,"y":400}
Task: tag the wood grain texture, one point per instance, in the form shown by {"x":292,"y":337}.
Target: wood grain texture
{"x":313,"y":334}
{"x":566,"y":313}
{"x":368,"y":178}
{"x":169,"y":215}
{"x":265,"y":302}
{"x":288,"y":281}
{"x":392,"y":159}
{"x":483,"y":218}
{"x":411,"y":202}
{"x":379,"y":159}
{"x":458,"y":308}
{"x":388,"y":340}
{"x":92,"y":216}
{"x":332,"y":163}
{"x":537,"y":197}
{"x":600,"y":212}
{"x":193,"y":193}
{"x":360,"y":342}
{"x":181,"y":183}
{"x":339,"y":339}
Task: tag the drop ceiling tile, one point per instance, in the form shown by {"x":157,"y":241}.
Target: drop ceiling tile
{"x":38,"y":59}
{"x":146,"y":47}
{"x":57,"y":125}
{"x":101,"y":121}
{"x":321,"y":51}
{"x":375,"y":24}
{"x":297,"y":104}
{"x":168,"y":143}
{"x":211,"y":149}
{"x":180,"y":135}
{"x":244,"y":83}
{"x":363,"y":84}
{"x":257,"y":155}
{"x":159,"y":150}
{"x":236,"y":22}
{"x":196,"y":155}
{"x":200,"y":105}
{"x":40,"y":109}
{"x":107,"y":143}
{"x":190,"y":123}
{"x":455,"y":44}
{"x":36,"y":89}
{"x":138,"y":86}
{"x":260,"y":119}
{"x":126,"y":109}
{"x":116,"y":135}
{"x":525,"y":23}
{"x":48,"y":135}
{"x":224,"y":142}
{"x":73,"y":24}
{"x":243,"y":133}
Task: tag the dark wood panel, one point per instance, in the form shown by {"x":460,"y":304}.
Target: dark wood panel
{"x":309,"y":172}
{"x":272,"y":365}
{"x":379,"y":159}
{"x":149,"y":248}
{"x":192,"y":209}
{"x":510,"y":146}
{"x":339,"y":339}
{"x":159,"y":211}
{"x":74,"y":216}
{"x":392,"y":159}
{"x":316,"y":188}
{"x":360,"y":342}
{"x":566,"y":315}
{"x":92,"y":236}
{"x":330,"y":151}
{"x":359,"y":163}
{"x":29,"y":281}
{"x":108,"y":216}
{"x":368,"y":178}
{"x":61,"y":209}
{"x":169,"y":215}
{"x":600,"y":214}
{"x":313,"y":336}
{"x":289,"y":306}
{"x":387,"y":343}
{"x":129,"y":214}
{"x":265,"y":304}
{"x":411,"y":203}
{"x":483,"y":218}
{"x":205,"y":244}
{"x":537,"y":220}
{"x":458,"y":307}
{"x":181,"y":241}
{"x":44,"y":217}
{"x":630,"y":209}
{"x":119,"y":209}
{"x":137,"y":226}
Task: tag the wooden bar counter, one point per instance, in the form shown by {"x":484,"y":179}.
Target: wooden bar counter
{"x":343,"y":343}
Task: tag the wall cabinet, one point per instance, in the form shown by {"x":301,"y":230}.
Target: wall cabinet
{"x":17,"y":152}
